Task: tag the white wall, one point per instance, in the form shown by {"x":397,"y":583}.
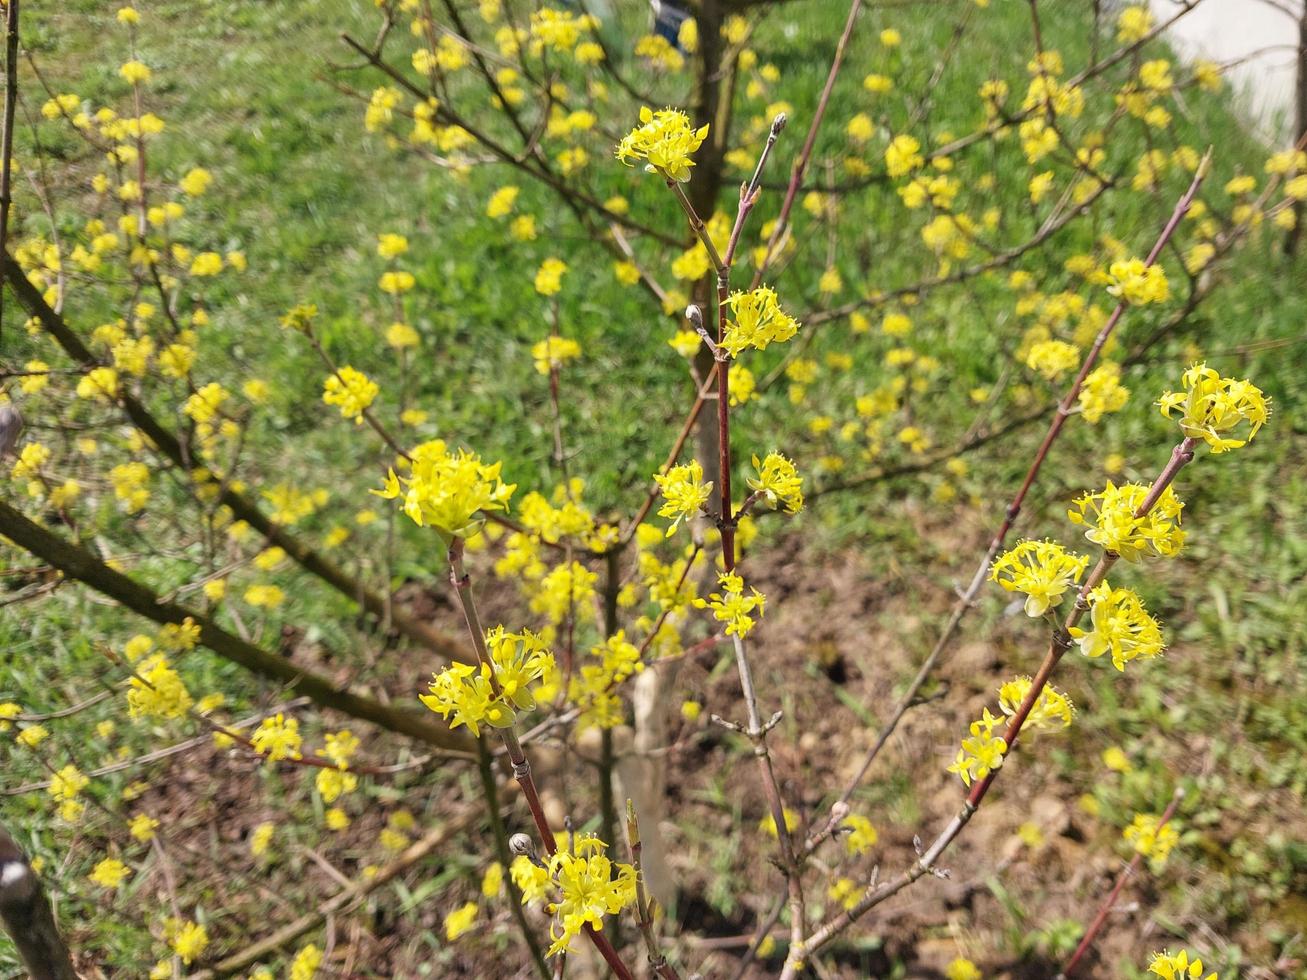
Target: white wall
{"x":1227,"y":30}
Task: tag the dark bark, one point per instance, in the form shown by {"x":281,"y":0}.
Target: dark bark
{"x":242,"y":507}
{"x":79,"y":564}
{"x":28,"y":918}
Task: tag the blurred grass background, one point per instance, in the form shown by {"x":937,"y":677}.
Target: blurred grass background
{"x":250,"y":91}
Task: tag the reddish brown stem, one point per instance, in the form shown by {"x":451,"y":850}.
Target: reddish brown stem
{"x":1064,"y":412}
{"x":461,"y":582}
{"x":1061,"y":640}
{"x":1105,"y":909}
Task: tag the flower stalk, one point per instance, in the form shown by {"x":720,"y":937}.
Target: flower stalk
{"x":927,"y":862}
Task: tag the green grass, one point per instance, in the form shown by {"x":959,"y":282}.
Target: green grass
{"x":249,"y":91}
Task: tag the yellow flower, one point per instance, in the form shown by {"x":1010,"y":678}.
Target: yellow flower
{"x":1052,"y":708}
{"x":1116,"y":527}
{"x":157,"y":691}
{"x":206,"y":264}
{"x":778,"y":482}
{"x":134,"y":72}
{"x":1133,"y":24}
{"x":845,"y":891}
{"x":1178,"y":966}
{"x":665,"y":141}
{"x":1102,"y":392}
{"x":1119,"y":624}
{"x":306,"y":963}
{"x":861,"y":836}
{"x":1114,"y":758}
{"x":187,"y":939}
{"x":267,"y":596}
{"x":684,"y":493}
{"x":982,"y":753}
{"x":1135,"y":283}
{"x":447,"y":491}
{"x":465,"y":692}
{"x":741,"y":383}
{"x":128,"y":15}
{"x":501,"y":201}
{"x":902,"y":156}
{"x":261,"y":837}
{"x":196,"y":182}
{"x":277,"y":738}
{"x":1043,"y":570}
{"x":64,"y":787}
{"x":732,"y":606}
{"x":962,"y":969}
{"x":549,"y":277}
{"x":110,"y":873}
{"x":492,"y":882}
{"x":758,"y":321}
{"x":1053,"y":358}
{"x":587,"y":890}
{"x":553,"y":351}
{"x":390,"y":245}
{"x":1212,"y":405}
{"x":352,"y":390}
{"x":396,"y":281}
{"x":99,"y":384}
{"x":142,"y":827}
{"x":890,"y":37}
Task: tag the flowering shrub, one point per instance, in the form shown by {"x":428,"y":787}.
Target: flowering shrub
{"x":152,"y":480}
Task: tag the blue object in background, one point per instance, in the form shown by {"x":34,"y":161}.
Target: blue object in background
{"x":668,"y":19}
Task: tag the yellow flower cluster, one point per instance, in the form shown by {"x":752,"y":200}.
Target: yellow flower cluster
{"x":65,"y":785}
{"x":592,"y":688}
{"x":584,"y":886}
{"x":1053,"y":358}
{"x":861,"y":834}
{"x":277,"y":738}
{"x":1116,"y":527}
{"x":447,"y":490}
{"x":684,"y":493}
{"x":1179,"y":966}
{"x":1102,"y":392}
{"x":187,"y":939}
{"x":665,"y":141}
{"x":549,"y":277}
{"x":565,"y":591}
{"x":1136,"y":283}
{"x":732,"y":606}
{"x":1051,"y":710}
{"x":1119,"y":625}
{"x":352,"y":390}
{"x":466,"y":693}
{"x":552,"y":352}
{"x":1211,"y":405}
{"x":109,"y":873}
{"x":902,"y":156}
{"x":460,"y":920}
{"x":983,"y":752}
{"x":758,"y":321}
{"x":1149,"y":837}
{"x":157,"y":691}
{"x":779,"y":482}
{"x":306,"y":963}
{"x":1043,"y":570}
